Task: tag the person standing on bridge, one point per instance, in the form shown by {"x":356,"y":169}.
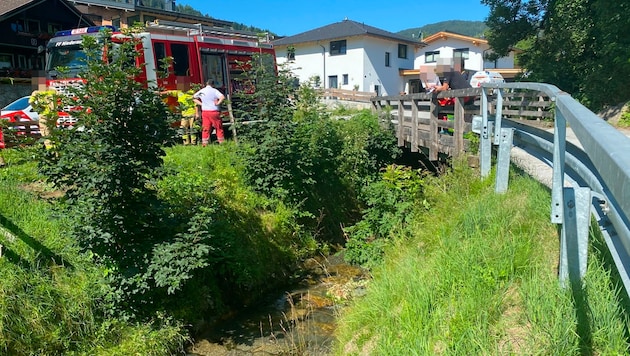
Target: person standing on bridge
{"x":451,"y":78}
{"x":210,"y":98}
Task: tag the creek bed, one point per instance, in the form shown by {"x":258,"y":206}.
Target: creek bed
{"x":299,"y":321}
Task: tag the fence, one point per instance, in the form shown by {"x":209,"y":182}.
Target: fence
{"x":349,"y":95}
{"x":588,"y":178}
{"x":422,"y":122}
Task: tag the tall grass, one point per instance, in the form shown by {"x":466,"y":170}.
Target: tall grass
{"x":479,"y":277}
{"x":51,"y":293}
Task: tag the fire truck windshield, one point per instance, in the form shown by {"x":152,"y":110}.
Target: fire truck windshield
{"x":71,"y":57}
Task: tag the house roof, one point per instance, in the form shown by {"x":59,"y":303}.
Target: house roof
{"x":179,"y":15}
{"x":10,"y":7}
{"x":345,"y":28}
{"x":444,"y":35}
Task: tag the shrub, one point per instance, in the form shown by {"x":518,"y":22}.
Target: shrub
{"x":108,"y":168}
{"x":391,"y":203}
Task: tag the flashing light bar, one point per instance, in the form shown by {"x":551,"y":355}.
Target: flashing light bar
{"x":84,"y":30}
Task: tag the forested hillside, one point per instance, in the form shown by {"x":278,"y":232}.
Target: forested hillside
{"x":468,"y":28}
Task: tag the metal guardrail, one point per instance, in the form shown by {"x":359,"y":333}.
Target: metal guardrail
{"x":587,"y":181}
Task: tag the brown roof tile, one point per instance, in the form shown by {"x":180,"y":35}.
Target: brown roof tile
{"x":7,"y":6}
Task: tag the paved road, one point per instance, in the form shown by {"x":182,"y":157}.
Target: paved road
{"x":542,"y":171}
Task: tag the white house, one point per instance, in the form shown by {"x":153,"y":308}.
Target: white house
{"x":467,"y":52}
{"x":350,"y":55}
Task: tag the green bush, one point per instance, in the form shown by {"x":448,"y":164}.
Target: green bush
{"x":252,"y":238}
{"x":108,"y":170}
{"x":391,"y":203}
{"x":624,"y":120}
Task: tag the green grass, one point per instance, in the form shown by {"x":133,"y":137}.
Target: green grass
{"x":479,"y":277}
{"x":51,"y":295}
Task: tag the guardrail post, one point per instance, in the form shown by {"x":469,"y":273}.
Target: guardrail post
{"x":557,"y":178}
{"x":574,"y":235}
{"x":503,"y":164}
{"x":498,"y":114}
{"x":485,"y":143}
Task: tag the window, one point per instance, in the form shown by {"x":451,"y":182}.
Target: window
{"x":53,"y":28}
{"x":290,"y":53}
{"x":402,"y":51}
{"x":345,"y":79}
{"x":386,"y":59}
{"x":461,"y":52}
{"x":332,"y":82}
{"x":132,"y":20}
{"x":181,"y":64}
{"x":213,"y":68}
{"x":22,"y":62}
{"x":6,"y":61}
{"x":337,"y":47}
{"x":18,"y":26}
{"x":431,"y":57}
{"x":116,"y":22}
{"x":159,"y":50}
{"x":33,"y":26}
{"x":460,"y":55}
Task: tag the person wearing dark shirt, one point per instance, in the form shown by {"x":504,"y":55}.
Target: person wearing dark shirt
{"x":453,"y":80}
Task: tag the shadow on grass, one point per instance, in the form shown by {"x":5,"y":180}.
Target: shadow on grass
{"x":44,"y":254}
{"x":602,"y":252}
{"x":580,"y":299}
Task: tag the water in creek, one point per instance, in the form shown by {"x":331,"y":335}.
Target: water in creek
{"x":294,"y":322}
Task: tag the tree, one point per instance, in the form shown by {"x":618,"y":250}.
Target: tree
{"x":187,"y":9}
{"x":108,"y":166}
{"x":577,"y":45}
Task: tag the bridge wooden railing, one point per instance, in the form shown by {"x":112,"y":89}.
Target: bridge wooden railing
{"x":345,"y":94}
{"x":423,"y":124}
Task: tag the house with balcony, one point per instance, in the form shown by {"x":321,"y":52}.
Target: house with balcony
{"x":350,"y":55}
{"x":465,"y":52}
{"x":26,"y":26}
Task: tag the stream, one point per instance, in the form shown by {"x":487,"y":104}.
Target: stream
{"x":299,"y":321}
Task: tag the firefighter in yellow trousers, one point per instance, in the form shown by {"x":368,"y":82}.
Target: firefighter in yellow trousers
{"x":190,"y":115}
{"x":45,"y":103}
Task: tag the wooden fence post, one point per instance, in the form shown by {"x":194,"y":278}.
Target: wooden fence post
{"x":414,"y":125}
{"x":433,"y":129}
{"x":458,"y":128}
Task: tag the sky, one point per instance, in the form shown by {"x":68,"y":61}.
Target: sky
{"x":287,"y":18}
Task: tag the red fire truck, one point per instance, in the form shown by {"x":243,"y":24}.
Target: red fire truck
{"x":199,"y":53}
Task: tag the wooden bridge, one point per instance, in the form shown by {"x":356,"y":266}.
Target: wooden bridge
{"x":423,"y":124}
